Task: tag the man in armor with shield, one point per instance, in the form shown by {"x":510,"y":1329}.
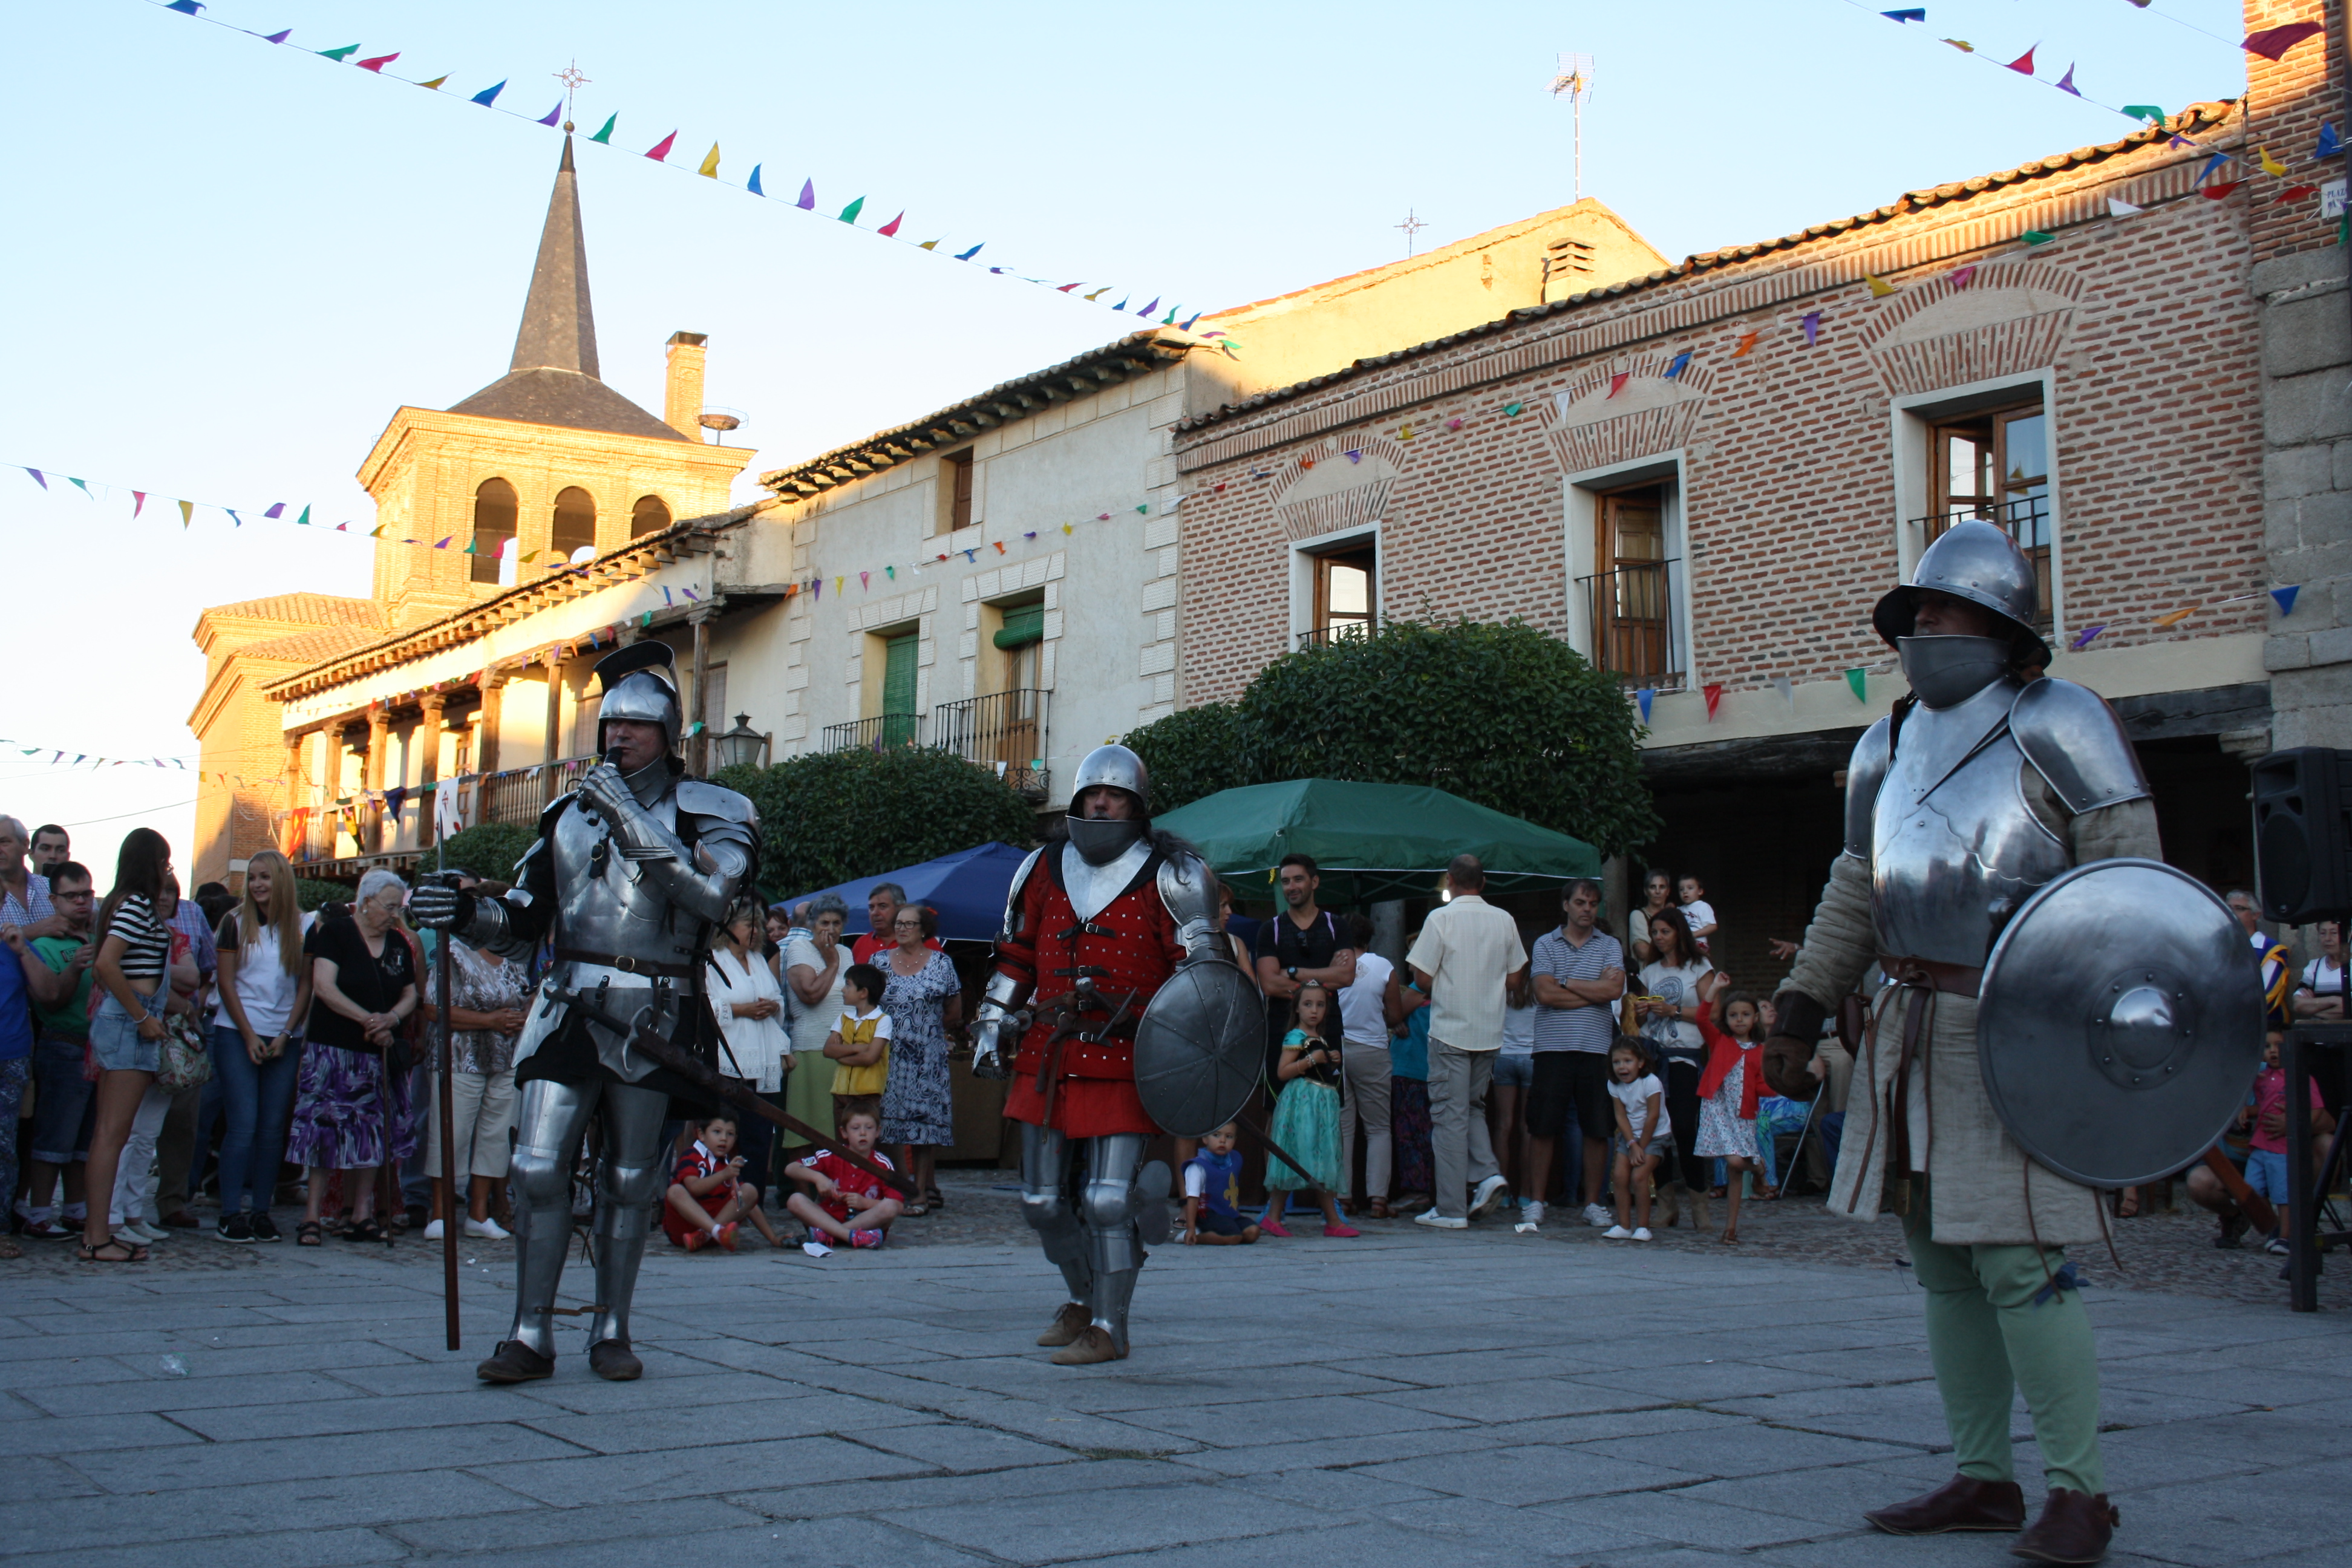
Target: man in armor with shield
{"x":2000,"y":867}
{"x":1098,"y":926}
{"x":631,"y":874}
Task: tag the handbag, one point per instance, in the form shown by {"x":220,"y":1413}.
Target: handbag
{"x":182,"y":1061}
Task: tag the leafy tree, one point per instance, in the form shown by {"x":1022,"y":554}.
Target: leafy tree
{"x":1503,"y":715}
{"x":312,"y":895}
{"x":487,"y":849}
{"x":833,"y":816}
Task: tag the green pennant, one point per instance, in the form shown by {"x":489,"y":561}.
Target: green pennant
{"x":1859,"y":680}
{"x":849,"y":213}
{"x":605,"y":135}
{"x":469,"y":548}
{"x":2035,"y":237}
{"x":303,"y":520}
{"x":1514,"y":409}
{"x":339,"y":56}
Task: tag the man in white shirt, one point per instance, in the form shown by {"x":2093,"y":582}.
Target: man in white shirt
{"x":1467,"y":957}
{"x":1364,"y":1061}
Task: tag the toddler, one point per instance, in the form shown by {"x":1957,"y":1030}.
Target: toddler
{"x":2264,"y":1116}
{"x":1641,"y":1137}
{"x":1213,"y":1190}
{"x":1730,"y":1090}
{"x":835,"y":1199}
{"x":1696,"y":910}
{"x":1307,"y":1115}
{"x":707,"y":1196}
{"x":860,"y":1041}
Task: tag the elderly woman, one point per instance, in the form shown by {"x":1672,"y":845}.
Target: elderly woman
{"x":925,"y":1000}
{"x":349,"y":1113}
{"x":489,"y":1001}
{"x":814,"y":962}
{"x":750,"y":1007}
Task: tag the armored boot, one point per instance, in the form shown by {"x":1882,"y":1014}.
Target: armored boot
{"x":1113,"y":1248}
{"x":629,"y":1179}
{"x":549,"y":1122}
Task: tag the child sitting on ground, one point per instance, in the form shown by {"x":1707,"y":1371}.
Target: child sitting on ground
{"x":834,"y":1198}
{"x":1307,"y":1117}
{"x":1213,"y":1190}
{"x":707,"y":1196}
{"x":1643,"y":1128}
{"x":1731,"y":1090}
{"x":860,"y":1041}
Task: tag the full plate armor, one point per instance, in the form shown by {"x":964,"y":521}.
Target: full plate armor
{"x":1094,"y":926}
{"x":630,"y":876}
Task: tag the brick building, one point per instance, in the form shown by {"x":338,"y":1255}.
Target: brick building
{"x":1704,"y":478}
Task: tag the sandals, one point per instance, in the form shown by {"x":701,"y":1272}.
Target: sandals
{"x":130,"y":1252}
{"x":915,"y":1208}
{"x":310,"y":1232}
{"x":367,"y":1230}
{"x":934,"y":1199}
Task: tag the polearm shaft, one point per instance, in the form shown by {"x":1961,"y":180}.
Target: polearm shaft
{"x":701,"y":1075}
{"x":449,"y":1113}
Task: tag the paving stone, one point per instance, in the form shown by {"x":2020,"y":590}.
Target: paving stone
{"x":1733,"y":1451}
{"x":1019,"y":1531}
{"x":234,"y":1465}
{"x":1527,"y":1399}
{"x":958,"y":1447}
{"x":1680,"y":1518}
{"x":184,"y":1394}
{"x":887,"y":1497}
{"x":704,"y":1426}
{"x":274,"y":1549}
{"x":1530,"y":1475}
{"x":831,"y":1540}
{"x":528,"y":1527}
{"x":91,"y":1433}
{"x":1276,"y":1421}
{"x":226,"y":1513}
{"x":569,"y":1482}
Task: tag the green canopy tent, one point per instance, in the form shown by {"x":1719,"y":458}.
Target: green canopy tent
{"x":1372,"y":841}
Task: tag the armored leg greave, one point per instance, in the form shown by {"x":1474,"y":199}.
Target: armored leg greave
{"x":628,"y":1188}
{"x":549,"y":1122}
{"x":1107,"y":1211}
{"x":1046,"y":1205}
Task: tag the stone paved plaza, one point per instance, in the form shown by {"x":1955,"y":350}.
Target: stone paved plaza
{"x":1410,"y":1397}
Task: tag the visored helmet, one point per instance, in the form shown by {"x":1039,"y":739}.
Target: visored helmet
{"x":1973,"y":560}
{"x":1103,"y":840}
{"x":640,"y":682}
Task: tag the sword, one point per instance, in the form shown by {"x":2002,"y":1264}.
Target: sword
{"x":643,"y":1037}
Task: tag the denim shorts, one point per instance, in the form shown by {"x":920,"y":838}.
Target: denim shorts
{"x":1514,"y":1070}
{"x":61,"y":1108}
{"x":116,"y":1040}
{"x":2266,"y":1174}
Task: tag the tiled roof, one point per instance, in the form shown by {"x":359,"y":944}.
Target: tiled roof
{"x":307,"y":609}
{"x":2197,"y":117}
{"x":310,"y":645}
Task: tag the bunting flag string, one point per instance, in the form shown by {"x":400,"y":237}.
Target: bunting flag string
{"x":379,"y":65}
{"x":58,"y":758}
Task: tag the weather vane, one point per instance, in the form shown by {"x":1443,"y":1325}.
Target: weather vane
{"x":572,"y":82}
{"x":1412,"y":226}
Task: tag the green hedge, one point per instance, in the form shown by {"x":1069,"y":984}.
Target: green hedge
{"x":487,"y":849}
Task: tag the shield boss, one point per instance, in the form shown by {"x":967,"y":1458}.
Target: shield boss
{"x":2120,"y":1022}
{"x":1199,"y":1049}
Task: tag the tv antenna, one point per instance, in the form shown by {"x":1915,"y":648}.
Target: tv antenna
{"x":1573,"y":82}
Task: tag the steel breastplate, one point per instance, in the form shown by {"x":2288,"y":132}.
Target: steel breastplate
{"x":1092,"y":887}
{"x":1954,"y":847}
{"x":605,"y":905}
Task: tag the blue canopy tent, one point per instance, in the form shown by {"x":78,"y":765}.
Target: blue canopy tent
{"x":967,"y":889}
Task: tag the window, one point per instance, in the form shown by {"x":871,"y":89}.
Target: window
{"x":575,"y":523}
{"x":1017,"y":642}
{"x":898,"y":714}
{"x":1631,"y":587}
{"x":650,"y":515}
{"x":1346,"y":596}
{"x":494,"y":527}
{"x":955,"y":490}
{"x":1995,"y":466}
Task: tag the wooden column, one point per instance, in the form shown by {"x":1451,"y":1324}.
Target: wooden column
{"x":429,"y":731}
{"x":548,"y":791}
{"x":293,"y":780}
{"x":697,"y":749}
{"x":379,"y":743}
{"x":486,"y":755}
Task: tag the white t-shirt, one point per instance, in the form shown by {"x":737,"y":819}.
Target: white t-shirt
{"x":1680,"y":986}
{"x":814,"y":1020}
{"x":1362,"y":1021}
{"x":2324,"y":977}
{"x":1699,"y":913}
{"x":263,"y":987}
{"x":1519,"y":1030}
{"x":1636,"y":1098}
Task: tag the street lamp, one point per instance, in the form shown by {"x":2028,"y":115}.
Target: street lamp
{"x":739,"y":747}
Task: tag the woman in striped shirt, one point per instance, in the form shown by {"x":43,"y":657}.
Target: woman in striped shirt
{"x":126,"y":1025}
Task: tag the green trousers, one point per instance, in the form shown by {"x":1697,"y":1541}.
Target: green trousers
{"x":1989,"y":1338}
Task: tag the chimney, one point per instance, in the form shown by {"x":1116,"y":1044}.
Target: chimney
{"x":682,"y":394}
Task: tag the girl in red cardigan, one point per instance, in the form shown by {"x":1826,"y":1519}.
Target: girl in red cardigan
{"x":1730,"y":1088}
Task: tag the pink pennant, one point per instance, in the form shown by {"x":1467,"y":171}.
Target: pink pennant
{"x":139,"y":504}
{"x":891,"y":227}
{"x":2023,"y":64}
{"x":1616,"y":385}
{"x":1959,"y":279}
{"x":378,"y":62}
{"x":660,"y":150}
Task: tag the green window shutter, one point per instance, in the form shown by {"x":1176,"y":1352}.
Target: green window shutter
{"x":1023,"y":625}
{"x":898,"y":686}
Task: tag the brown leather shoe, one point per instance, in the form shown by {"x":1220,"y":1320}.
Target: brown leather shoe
{"x":2075,"y":1527}
{"x":614,"y":1362}
{"x":1092,"y":1346}
{"x":1067,"y":1325}
{"x":1960,"y":1503}
{"x":515,"y":1361}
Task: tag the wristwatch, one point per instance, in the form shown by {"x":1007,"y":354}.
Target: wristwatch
{"x":1292,"y":972}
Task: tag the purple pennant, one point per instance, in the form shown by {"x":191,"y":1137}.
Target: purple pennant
{"x":1645,"y":696}
{"x":278,"y":37}
{"x":553,"y":115}
{"x":2285,"y":597}
{"x":2084,"y":640}
{"x":2066,"y":82}
{"x":1813,"y":326}
{"x":1151,"y":307}
{"x":277,"y":508}
{"x":808,"y":196}
{"x":38,"y":479}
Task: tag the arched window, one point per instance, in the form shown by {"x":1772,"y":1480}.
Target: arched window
{"x":494,"y":528}
{"x":575,"y":522}
{"x":650,"y":515}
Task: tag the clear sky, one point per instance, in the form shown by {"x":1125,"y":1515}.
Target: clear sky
{"x":234,"y":260}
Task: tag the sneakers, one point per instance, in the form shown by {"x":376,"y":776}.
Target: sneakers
{"x":1436,"y":1221}
{"x":726,"y":1236}
{"x":1618,"y":1233}
{"x":149,"y":1232}
{"x":1342,"y":1231}
{"x":1641,"y":1232}
{"x":1597,"y":1217}
{"x":696,"y":1240}
{"x":237,"y":1228}
{"x":264,"y":1227}
{"x":1490,"y":1191}
{"x":2276,"y":1246}
{"x":864,"y":1239}
{"x":1531,"y":1214}
{"x":814,"y":1247}
{"x":487,"y":1229}
{"x":433,"y":1230}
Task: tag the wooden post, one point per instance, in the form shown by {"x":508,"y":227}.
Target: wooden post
{"x":293,"y":780}
{"x":379,"y":742}
{"x":698,"y":751}
{"x":486,"y":755}
{"x":429,"y":731}
{"x":548,"y":790}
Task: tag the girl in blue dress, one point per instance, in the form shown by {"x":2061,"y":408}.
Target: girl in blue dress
{"x":1307,"y":1115}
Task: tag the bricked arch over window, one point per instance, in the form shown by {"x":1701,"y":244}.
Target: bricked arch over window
{"x":575,"y":521}
{"x":650,"y":515}
{"x":495,"y":511}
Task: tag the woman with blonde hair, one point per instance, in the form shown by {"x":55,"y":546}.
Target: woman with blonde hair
{"x":265,"y":992}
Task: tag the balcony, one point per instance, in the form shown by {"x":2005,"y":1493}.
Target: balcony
{"x":1634,"y":637}
{"x":2027,"y":519}
{"x":1337,"y":632}
{"x":519,"y":794}
{"x":1005,"y":731}
{"x":874,"y":734}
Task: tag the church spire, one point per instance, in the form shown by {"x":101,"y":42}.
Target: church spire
{"x":558,"y":329}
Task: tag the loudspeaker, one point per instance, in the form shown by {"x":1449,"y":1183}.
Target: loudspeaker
{"x":2303,"y":834}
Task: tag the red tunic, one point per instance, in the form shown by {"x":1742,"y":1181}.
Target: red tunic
{"x":1095,"y":1090}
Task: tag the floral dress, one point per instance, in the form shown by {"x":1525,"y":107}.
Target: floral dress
{"x":918,"y":1107}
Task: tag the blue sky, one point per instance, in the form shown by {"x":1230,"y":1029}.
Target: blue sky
{"x":234,"y":260}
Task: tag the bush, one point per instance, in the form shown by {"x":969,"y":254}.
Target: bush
{"x":319,"y":895}
{"x":834,"y":817}
{"x":1190,"y":754}
{"x":487,"y":849}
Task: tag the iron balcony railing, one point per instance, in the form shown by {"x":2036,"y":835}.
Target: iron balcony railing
{"x":1634,"y":634}
{"x":2027,"y":519}
{"x":1337,"y":631}
{"x":874,"y":734}
{"x":519,"y":794}
{"x":1005,"y":731}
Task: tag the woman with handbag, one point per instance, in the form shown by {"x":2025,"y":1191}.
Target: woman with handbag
{"x":126,"y":1027}
{"x":350,"y":1103}
{"x":181,"y":1063}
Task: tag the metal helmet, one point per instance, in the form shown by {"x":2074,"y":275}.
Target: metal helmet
{"x":1116,"y":766}
{"x":640,"y":682}
{"x":1973,"y":560}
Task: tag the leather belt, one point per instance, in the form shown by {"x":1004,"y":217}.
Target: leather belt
{"x":626,"y":964}
{"x":1929,"y":975}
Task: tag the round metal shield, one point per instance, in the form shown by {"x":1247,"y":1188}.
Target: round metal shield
{"x":2120,"y":1022}
{"x":1199,"y":1049}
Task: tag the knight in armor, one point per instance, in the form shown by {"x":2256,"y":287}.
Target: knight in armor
{"x":631,"y":874}
{"x":1096,"y":923}
{"x":1988,"y":781}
